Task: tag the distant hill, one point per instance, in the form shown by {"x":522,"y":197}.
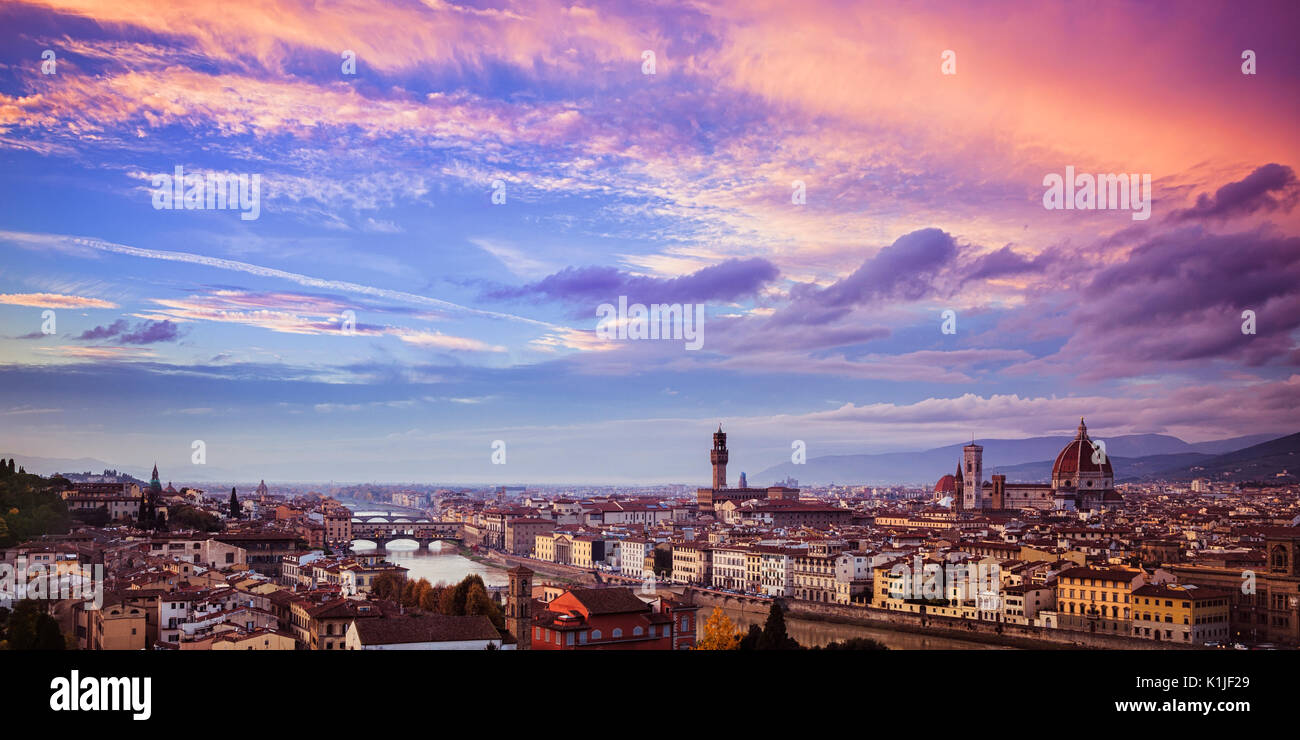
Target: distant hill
{"x":1023,"y":460}
{"x":1257,"y":462}
{"x":171,"y":470}
{"x":51,"y":465}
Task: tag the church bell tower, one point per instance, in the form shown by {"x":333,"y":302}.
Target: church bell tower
{"x":519,"y":607}
{"x":973,"y":477}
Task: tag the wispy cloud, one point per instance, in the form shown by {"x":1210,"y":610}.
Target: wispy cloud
{"x":53,"y":300}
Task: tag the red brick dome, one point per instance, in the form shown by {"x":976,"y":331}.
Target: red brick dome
{"x":946,"y":484}
{"x":1077,"y":457}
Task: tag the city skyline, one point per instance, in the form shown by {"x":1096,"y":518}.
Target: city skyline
{"x":439,"y":224}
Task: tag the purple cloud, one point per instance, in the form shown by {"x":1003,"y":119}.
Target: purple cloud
{"x":1179,"y":298}
{"x":1246,"y":196}
{"x":905,"y":270}
{"x":145,"y":332}
{"x":1003,"y":262}
{"x":724,"y":281}
{"x":105,"y":332}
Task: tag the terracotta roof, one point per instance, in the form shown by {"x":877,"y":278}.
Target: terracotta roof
{"x":609,"y":600}
{"x":426,"y":628}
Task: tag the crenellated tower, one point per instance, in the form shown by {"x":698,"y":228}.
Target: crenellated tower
{"x":718,"y":456}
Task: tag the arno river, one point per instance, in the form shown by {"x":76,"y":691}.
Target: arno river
{"x":442,"y":563}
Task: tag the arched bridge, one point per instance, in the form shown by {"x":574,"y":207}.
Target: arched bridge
{"x":382,"y":530}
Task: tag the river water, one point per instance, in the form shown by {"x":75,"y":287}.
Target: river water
{"x":438,"y":562}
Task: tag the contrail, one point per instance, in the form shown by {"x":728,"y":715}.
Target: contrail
{"x":251,"y":269}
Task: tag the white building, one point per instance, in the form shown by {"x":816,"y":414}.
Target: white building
{"x":775,"y":573}
{"x":729,"y":568}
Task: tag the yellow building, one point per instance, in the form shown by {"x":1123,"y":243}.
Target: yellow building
{"x":115,"y":626}
{"x":237,"y":640}
{"x":1181,"y":613}
{"x":587,"y":551}
{"x":1097,"y":599}
{"x":554,"y":547}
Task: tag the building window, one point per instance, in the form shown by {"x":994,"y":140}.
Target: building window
{"x":595,"y":634}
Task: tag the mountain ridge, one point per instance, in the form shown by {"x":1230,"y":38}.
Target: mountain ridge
{"x":1022,"y":457}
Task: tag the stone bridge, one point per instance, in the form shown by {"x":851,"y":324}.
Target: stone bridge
{"x":382,"y":530}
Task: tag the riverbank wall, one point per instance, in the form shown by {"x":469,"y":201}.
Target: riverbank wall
{"x":997,"y":633}
{"x":505,"y":561}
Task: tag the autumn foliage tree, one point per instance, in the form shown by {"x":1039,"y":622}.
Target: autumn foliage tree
{"x":720,"y":633}
{"x":388,"y":586}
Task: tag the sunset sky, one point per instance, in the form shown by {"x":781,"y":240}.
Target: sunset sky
{"x":476,"y":321}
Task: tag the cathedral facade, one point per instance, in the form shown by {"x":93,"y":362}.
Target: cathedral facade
{"x":1082,"y":480}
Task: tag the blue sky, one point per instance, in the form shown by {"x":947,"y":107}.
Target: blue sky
{"x":475,"y":321}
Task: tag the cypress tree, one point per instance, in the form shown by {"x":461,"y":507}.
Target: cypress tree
{"x":774,"y":635}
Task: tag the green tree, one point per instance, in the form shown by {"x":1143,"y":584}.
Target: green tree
{"x":854,"y":643}
{"x":478,"y":603}
{"x":460,"y":594}
{"x":31,"y":628}
{"x":774,"y":635}
{"x":188,"y":517}
{"x":31,"y":506}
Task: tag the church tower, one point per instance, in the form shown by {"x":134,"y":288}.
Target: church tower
{"x":972,"y":476}
{"x":719,"y":458}
{"x":959,"y":491}
{"x":519,"y":607}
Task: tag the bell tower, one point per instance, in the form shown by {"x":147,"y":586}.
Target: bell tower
{"x":519,"y":607}
{"x":719,"y":458}
{"x":972,"y":476}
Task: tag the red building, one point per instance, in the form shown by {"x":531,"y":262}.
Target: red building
{"x":612,"y":619}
